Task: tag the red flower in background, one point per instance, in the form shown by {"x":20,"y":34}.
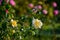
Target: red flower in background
{"x":6,"y":11}
{"x":56,"y":12}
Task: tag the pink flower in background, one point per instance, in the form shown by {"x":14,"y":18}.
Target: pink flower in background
{"x":0,"y":2}
{"x":45,"y":11}
{"x":56,"y":12}
{"x":39,"y":7}
{"x":6,"y":11}
{"x":54,"y":4}
{"x":31,"y":5}
{"x":12,"y":2}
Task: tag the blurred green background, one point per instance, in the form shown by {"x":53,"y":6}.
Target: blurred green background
{"x":23,"y":15}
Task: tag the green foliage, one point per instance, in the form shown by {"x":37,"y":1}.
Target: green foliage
{"x":16,"y":21}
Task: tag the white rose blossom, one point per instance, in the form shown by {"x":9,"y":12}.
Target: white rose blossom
{"x":37,"y":23}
